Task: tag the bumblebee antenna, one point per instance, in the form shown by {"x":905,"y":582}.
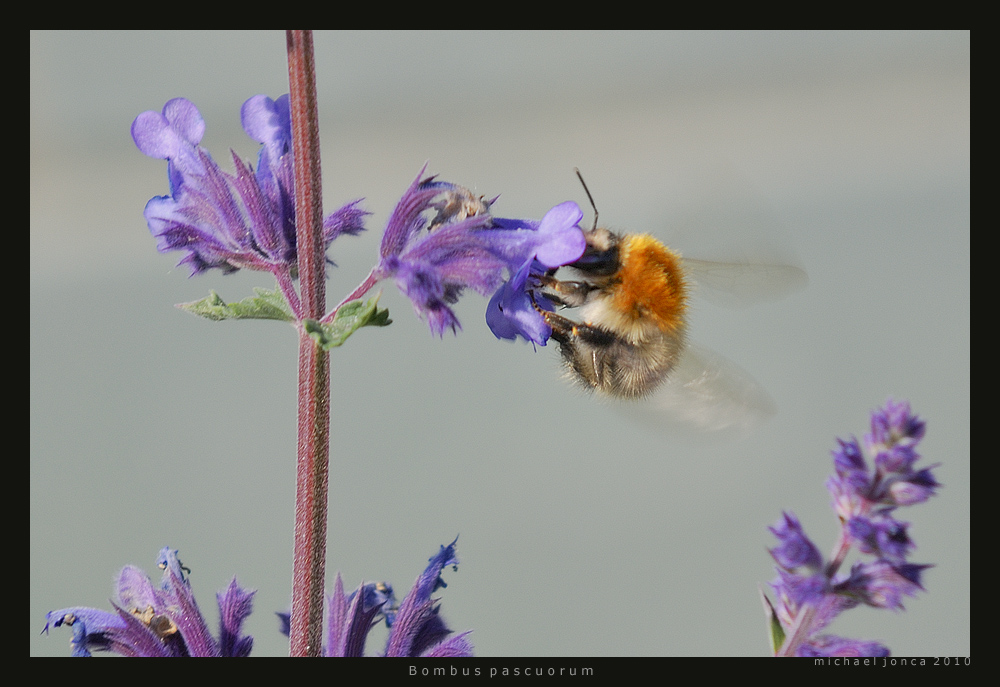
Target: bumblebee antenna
{"x":589,"y":197}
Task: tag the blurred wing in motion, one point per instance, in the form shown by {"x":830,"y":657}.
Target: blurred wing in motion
{"x":740,"y":285}
{"x":705,"y":392}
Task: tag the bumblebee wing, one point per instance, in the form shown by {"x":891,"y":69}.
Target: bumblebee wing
{"x":739,"y":285}
{"x":707,"y":392}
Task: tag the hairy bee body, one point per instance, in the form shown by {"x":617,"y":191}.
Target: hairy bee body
{"x":631,"y":341}
{"x":632,"y":296}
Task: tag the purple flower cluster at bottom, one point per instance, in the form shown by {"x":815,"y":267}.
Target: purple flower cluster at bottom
{"x":416,"y":628}
{"x":164,"y":620}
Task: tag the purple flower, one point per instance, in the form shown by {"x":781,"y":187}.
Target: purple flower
{"x":810,"y":593}
{"x":849,"y":464}
{"x":229,"y":222}
{"x":512,"y":311}
{"x":894,"y":433}
{"x":894,"y":482}
{"x":434,"y":258}
{"x":879,"y":536}
{"x":159,"y":620}
{"x":883,"y":585}
{"x":416,"y":628}
{"x":795,"y":550}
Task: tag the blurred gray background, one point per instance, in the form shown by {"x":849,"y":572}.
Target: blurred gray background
{"x":581,"y":532}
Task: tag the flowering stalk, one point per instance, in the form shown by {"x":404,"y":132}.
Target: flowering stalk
{"x":440,"y":240}
{"x":434,"y":259}
{"x":811,"y":593}
{"x":312,"y":472}
{"x":164,"y":620}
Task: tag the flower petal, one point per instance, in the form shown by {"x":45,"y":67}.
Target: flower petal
{"x":511,"y":312}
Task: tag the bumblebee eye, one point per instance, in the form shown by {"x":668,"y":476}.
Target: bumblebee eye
{"x":599,"y":262}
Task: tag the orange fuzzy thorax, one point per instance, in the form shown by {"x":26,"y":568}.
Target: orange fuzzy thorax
{"x":650,"y":284}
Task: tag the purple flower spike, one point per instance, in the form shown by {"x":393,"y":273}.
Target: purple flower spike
{"x":894,"y":435}
{"x":416,"y":628}
{"x":810,"y":593}
{"x":159,"y":620}
{"x":229,"y":222}
{"x":435,"y":257}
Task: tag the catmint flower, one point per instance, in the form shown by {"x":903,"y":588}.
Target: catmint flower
{"x":882,"y":584}
{"x":860,"y":492}
{"x":163,"y":620}
{"x":879,"y":536}
{"x":229,"y":221}
{"x":512,"y":311}
{"x":433,"y":259}
{"x":795,"y":551}
{"x":810,"y":592}
{"x":416,"y":628}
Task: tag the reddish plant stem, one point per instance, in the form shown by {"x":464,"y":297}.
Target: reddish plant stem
{"x":312,"y":471}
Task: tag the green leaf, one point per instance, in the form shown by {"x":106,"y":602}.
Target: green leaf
{"x":266,"y":305}
{"x":350,"y":317}
{"x":775,"y":632}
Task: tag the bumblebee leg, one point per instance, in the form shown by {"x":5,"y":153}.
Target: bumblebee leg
{"x":569,"y":332}
{"x":588,"y":351}
{"x":571,"y":294}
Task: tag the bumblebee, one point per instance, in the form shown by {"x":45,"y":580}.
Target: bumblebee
{"x":631,"y":341}
{"x":632,"y":294}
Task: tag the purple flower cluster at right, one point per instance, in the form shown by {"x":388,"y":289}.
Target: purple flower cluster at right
{"x":810,"y":592}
